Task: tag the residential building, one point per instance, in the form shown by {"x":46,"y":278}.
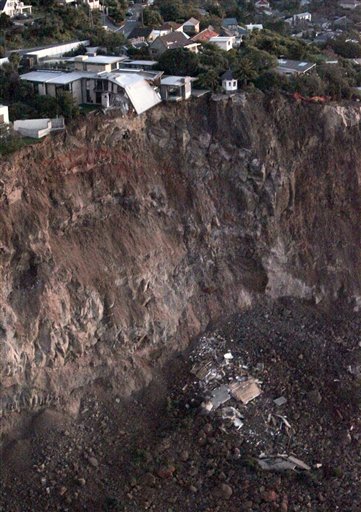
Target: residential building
{"x":297,"y":19}
{"x":191,"y":26}
{"x":172,"y":26}
{"x":230,"y":23}
{"x":294,"y":67}
{"x":205,"y":35}
{"x":13,"y":8}
{"x":146,"y":65}
{"x":4,"y":60}
{"x":349,"y":4}
{"x":170,"y":42}
{"x":92,"y":4}
{"x":176,"y":88}
{"x":262,"y":4}
{"x":65,"y":2}
{"x":141,"y":35}
{"x":254,"y":26}
{"x":342,"y":22}
{"x":4,"y":115}
{"x":118,"y":89}
{"x":97,"y":63}
{"x":229,"y":83}
{"x":239,"y":33}
{"x":223,"y":42}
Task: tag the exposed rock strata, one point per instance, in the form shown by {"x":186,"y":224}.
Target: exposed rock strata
{"x":123,"y":239}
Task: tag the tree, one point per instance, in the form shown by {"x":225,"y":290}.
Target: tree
{"x":171,"y":10}
{"x":245,"y":71}
{"x":5,"y":21}
{"x":347,"y":49}
{"x":45,"y":106}
{"x":67,"y":106}
{"x":179,"y":62}
{"x":152,"y":18}
{"x":14,"y":60}
{"x":209,"y":80}
{"x":270,"y":81}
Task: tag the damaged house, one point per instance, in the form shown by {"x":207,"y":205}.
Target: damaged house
{"x":126,"y":91}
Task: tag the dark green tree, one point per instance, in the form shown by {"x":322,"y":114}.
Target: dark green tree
{"x":152,"y":18}
{"x":179,"y":62}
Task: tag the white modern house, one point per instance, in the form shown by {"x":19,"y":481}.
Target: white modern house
{"x":254,"y":26}
{"x":223,"y":42}
{"x":229,"y":83}
{"x":14,"y":8}
{"x":118,"y":89}
{"x":96,"y":63}
{"x":299,"y":18}
{"x":92,"y":4}
{"x":176,"y":88}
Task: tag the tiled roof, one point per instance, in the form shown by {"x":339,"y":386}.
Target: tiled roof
{"x":204,"y":36}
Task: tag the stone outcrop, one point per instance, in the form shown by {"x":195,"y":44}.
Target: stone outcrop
{"x":122,"y":239}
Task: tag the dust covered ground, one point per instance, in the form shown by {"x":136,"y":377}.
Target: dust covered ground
{"x":161,"y":451}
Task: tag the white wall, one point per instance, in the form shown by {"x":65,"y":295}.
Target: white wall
{"x":56,"y":50}
{"x":4,"y":111}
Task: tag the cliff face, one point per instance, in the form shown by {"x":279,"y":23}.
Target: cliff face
{"x":123,"y":239}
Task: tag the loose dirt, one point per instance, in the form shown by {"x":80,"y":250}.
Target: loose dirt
{"x":160,"y":451}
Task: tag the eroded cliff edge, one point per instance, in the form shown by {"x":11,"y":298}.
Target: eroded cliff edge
{"x":123,"y":239}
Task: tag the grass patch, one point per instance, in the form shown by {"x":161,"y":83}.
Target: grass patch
{"x":87,"y":109}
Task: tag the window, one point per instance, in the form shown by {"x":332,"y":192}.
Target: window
{"x":2,"y":119}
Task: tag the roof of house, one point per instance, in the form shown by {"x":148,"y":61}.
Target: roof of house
{"x":226,"y":32}
{"x":173,"y":40}
{"x":174,"y":80}
{"x":139,"y":92}
{"x":228,"y":75}
{"x":170,"y":25}
{"x":302,"y":14}
{"x":97,"y":59}
{"x":55,"y":77}
{"x":221,"y":38}
{"x":294,"y":66}
{"x":140,"y":32}
{"x":191,"y":21}
{"x":229,"y":21}
{"x":142,"y":62}
{"x":205,"y":35}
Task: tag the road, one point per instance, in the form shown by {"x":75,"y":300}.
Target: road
{"x":130,"y":21}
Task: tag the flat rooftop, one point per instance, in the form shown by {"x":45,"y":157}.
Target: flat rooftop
{"x":98,"y":59}
{"x":294,"y":66}
{"x":56,"y":77}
